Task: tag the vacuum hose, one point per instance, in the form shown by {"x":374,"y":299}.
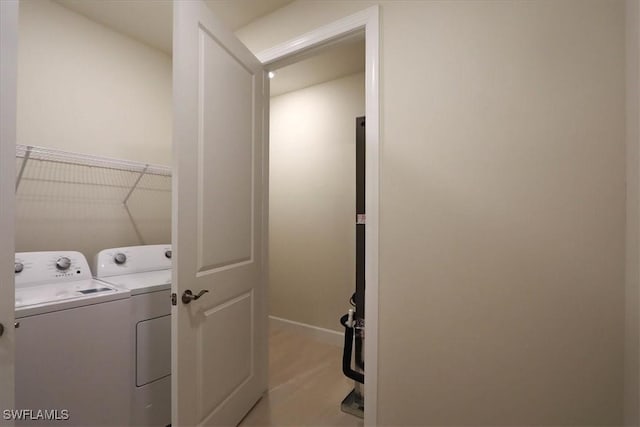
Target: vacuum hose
{"x":348,"y":347}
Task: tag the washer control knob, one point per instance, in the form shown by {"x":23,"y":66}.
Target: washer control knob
{"x":120,"y":258}
{"x":18,"y":267}
{"x":63,"y":263}
{"x":167,"y":253}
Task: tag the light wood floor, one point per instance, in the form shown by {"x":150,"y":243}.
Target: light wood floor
{"x":306,"y":384}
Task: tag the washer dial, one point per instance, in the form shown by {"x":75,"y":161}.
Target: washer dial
{"x":120,"y":258}
{"x":63,"y":263}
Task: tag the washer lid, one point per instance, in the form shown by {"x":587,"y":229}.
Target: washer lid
{"x":139,"y":283}
{"x":45,"y":298}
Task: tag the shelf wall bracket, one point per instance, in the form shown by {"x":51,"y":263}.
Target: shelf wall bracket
{"x":135,"y":184}
{"x":126,"y":207}
{"x":25,"y":160}
{"x":133,"y":223}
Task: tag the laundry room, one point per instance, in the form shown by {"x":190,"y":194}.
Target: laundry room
{"x":90,"y":91}
{"x":93,"y":198}
{"x":94,"y":179}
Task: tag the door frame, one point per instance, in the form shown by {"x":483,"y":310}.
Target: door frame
{"x":367,"y":20}
{"x":8,"y":83}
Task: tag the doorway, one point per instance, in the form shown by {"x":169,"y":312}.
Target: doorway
{"x":312,"y":232}
{"x":288,"y":52}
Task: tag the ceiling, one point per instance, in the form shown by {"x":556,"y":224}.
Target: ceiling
{"x":238,"y":13}
{"x":147,"y":21}
{"x":150,"y":22}
{"x":337,"y":60}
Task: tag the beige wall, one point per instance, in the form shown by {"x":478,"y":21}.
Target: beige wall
{"x":632,"y":338}
{"x":312,"y":201}
{"x":85,"y":88}
{"x":502,"y":217}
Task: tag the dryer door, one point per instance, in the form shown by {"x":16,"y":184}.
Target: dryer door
{"x":153,"y":350}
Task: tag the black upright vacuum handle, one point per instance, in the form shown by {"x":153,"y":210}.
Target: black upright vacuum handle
{"x":346,"y":355}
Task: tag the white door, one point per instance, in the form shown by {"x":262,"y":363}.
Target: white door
{"x":8,"y":70}
{"x":220,"y":101}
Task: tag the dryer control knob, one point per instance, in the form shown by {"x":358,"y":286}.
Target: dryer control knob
{"x":63,"y":263}
{"x":19,"y":267}
{"x":167,"y":253}
{"x":120,"y":258}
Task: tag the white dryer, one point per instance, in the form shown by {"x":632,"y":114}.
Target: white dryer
{"x":146,"y":272}
{"x":72,"y":343}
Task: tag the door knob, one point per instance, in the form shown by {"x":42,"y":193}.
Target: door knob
{"x":188,"y":296}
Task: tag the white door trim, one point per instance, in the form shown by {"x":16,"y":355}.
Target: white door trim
{"x":367,"y":20}
{"x":8,"y":85}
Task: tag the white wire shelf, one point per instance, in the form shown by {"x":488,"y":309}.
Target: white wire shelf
{"x":66,"y":157}
{"x":49,"y":175}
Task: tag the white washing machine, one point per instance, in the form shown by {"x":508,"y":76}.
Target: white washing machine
{"x":146,"y":272}
{"x":72,"y":343}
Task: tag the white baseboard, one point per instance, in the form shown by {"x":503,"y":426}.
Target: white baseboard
{"x":320,"y":334}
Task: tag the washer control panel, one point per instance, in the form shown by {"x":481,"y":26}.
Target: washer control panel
{"x":34,"y":268}
{"x":132,"y":259}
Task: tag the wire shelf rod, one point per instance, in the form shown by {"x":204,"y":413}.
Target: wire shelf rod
{"x":88,"y":160}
